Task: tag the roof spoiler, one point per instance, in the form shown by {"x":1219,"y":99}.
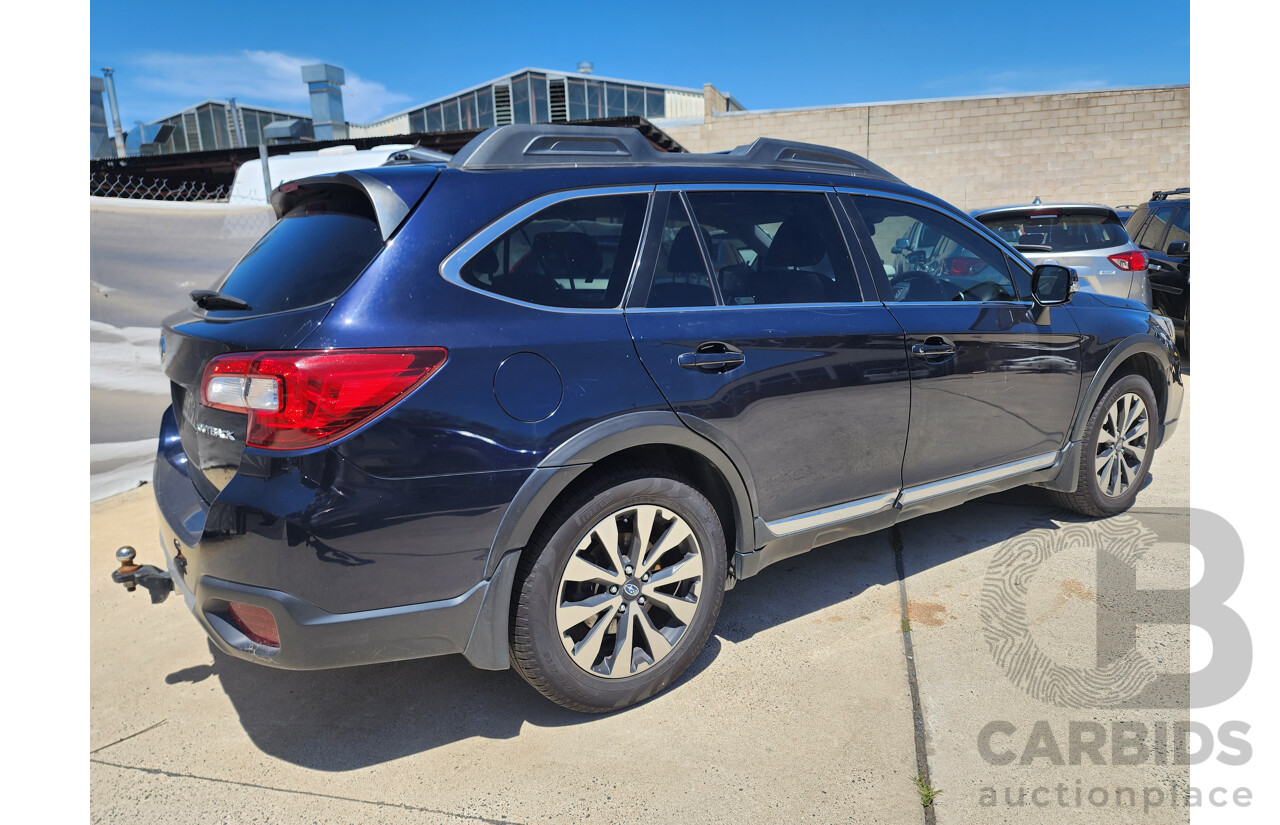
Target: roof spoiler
{"x":389,"y":208}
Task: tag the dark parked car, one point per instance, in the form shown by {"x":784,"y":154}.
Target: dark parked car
{"x":1162,"y":228}
{"x":544,"y":404}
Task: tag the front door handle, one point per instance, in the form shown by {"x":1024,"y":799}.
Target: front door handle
{"x":935,"y":346}
{"x":712,"y":356}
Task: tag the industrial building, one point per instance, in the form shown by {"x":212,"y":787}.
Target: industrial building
{"x":529,"y":95}
{"x":541,"y":96}
{"x":224,"y":124}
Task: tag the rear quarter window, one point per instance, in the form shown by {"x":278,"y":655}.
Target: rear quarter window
{"x":577,"y":254}
{"x":309,"y":257}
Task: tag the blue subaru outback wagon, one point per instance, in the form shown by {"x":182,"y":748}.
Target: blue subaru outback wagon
{"x":544,"y":404}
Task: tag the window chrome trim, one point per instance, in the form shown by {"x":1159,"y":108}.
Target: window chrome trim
{"x":955,"y":484}
{"x":744,"y":187}
{"x":831,"y":515}
{"x":958,"y":304}
{"x":451,"y":266}
{"x":826,"y":306}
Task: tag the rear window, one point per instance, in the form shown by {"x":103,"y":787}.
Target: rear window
{"x":1059,"y":230}
{"x":309,"y":257}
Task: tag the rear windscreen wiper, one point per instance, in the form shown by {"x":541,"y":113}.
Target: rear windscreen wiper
{"x":1022,"y":247}
{"x":210,"y":299}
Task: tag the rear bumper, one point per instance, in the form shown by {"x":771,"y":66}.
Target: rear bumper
{"x":312,"y":639}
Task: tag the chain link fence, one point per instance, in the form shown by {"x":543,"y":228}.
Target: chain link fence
{"x":109,"y":185}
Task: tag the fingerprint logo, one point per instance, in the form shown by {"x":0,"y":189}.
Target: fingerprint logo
{"x":1008,"y":632}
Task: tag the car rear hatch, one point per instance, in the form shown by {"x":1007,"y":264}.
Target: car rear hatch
{"x":330,"y":229}
{"x":1090,"y":239}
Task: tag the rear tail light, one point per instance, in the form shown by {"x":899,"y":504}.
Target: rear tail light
{"x":296,"y":400}
{"x":255,"y":622}
{"x":1129,"y":261}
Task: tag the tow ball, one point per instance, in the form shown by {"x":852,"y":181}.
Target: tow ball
{"x":158,"y":583}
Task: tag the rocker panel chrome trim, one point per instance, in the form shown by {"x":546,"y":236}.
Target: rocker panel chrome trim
{"x":955,"y":484}
{"x":831,"y":515}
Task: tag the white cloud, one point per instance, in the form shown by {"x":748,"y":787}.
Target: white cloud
{"x":980,"y":82}
{"x":265,"y":78}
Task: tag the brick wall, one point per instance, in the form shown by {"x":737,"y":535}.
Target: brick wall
{"x":1111,"y":147}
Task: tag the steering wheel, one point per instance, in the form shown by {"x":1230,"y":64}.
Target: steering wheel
{"x":915,"y":285}
{"x":985,"y":291}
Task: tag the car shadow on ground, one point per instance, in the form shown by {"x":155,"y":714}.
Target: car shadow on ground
{"x":350,"y":718}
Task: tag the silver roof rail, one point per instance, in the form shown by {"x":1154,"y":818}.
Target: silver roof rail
{"x":521,"y":146}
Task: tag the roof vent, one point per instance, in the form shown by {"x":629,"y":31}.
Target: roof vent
{"x":562,"y":145}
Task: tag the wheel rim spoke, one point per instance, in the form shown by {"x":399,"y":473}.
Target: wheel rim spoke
{"x":607,"y":532}
{"x":676,"y":606}
{"x":1103,"y":459}
{"x":581,"y":570}
{"x":675,"y":533}
{"x":690,"y":567}
{"x":586,"y":651}
{"x":658,"y":643}
{"x":619,"y":663}
{"x":572,"y":614}
{"x":644,"y":517}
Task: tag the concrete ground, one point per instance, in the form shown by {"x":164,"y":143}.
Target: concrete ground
{"x":800,"y":709}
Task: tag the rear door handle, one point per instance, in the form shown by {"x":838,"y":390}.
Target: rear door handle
{"x":712,"y":356}
{"x":933,"y":347}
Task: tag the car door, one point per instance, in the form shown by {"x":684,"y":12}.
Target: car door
{"x":991,"y":387}
{"x":1170,"y":274}
{"x":750,"y":317}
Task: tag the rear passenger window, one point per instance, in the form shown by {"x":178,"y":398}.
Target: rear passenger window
{"x":576,"y":254}
{"x":774,"y":247}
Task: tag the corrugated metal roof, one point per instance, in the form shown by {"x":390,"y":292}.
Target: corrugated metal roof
{"x":548,"y":72}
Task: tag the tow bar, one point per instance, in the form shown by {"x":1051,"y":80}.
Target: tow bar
{"x":158,"y":582}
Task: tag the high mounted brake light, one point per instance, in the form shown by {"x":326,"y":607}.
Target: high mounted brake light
{"x":296,"y":400}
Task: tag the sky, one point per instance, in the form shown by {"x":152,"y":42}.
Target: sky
{"x":168,"y":56}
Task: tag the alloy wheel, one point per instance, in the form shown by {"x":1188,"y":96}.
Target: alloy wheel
{"x":1122,"y":445}
{"x":629,"y":591}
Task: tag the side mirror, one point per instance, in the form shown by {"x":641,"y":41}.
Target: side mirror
{"x":1052,"y":284}
{"x":1179,"y":248}
{"x":902,"y":245}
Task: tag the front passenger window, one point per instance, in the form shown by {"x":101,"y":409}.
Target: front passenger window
{"x":928,"y":256}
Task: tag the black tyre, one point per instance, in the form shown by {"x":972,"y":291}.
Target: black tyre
{"x":618,"y":591}
{"x":1119,"y":443}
